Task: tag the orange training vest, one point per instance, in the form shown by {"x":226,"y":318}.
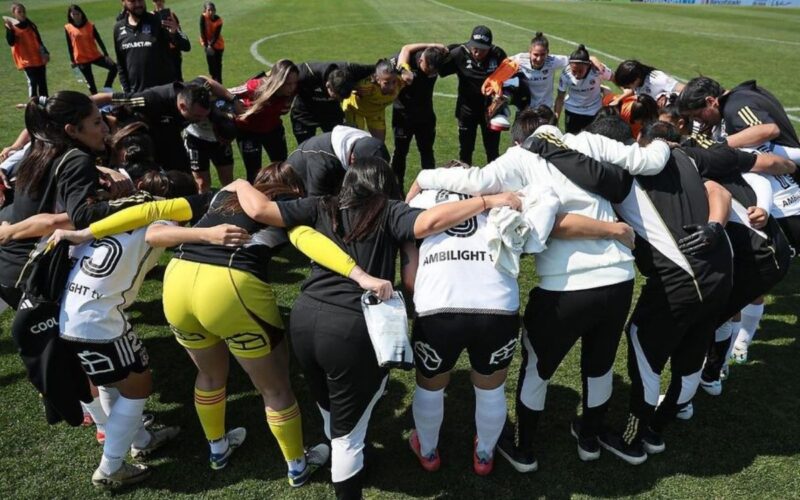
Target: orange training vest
{"x":211,"y":28}
{"x":84,"y":47}
{"x":26,"y":51}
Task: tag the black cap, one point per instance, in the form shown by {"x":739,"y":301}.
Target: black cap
{"x":369,"y":147}
{"x":481,"y":38}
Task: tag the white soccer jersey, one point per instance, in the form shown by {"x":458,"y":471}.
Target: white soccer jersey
{"x":657,"y":84}
{"x":104,"y":281}
{"x":785,"y":196}
{"x":585,"y":95}
{"x":455,"y":273}
{"x":540,"y":81}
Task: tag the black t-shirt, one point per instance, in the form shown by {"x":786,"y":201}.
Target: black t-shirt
{"x":747,"y":105}
{"x":375,"y":254}
{"x":143,"y":53}
{"x":253,"y":258}
{"x":725,"y":165}
{"x":415,"y":101}
{"x":313,"y":106}
{"x":471,"y":75}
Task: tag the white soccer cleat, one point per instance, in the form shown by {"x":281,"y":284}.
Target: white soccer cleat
{"x":739,"y":354}
{"x":125,"y":475}
{"x":713,"y":388}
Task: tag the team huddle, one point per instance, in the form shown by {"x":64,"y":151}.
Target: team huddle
{"x":695,"y":185}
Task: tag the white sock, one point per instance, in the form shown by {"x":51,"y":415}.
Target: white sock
{"x":142,"y":437}
{"x":735,"y":325}
{"x":490,"y":415}
{"x":751,"y":315}
{"x":108,"y":396}
{"x":124,"y":421}
{"x":95,"y":409}
{"x":428,"y":410}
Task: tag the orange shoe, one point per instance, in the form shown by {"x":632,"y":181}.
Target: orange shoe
{"x":482,"y":462}
{"x":430,"y":463}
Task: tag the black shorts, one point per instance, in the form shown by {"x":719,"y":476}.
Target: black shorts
{"x":109,"y":362}
{"x":201,"y":153}
{"x":490,"y":341}
{"x":791,"y":228}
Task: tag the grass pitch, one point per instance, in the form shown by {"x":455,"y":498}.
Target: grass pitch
{"x":743,"y":444}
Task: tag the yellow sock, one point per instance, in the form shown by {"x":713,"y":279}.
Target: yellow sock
{"x":287,"y":427}
{"x":210,"y":406}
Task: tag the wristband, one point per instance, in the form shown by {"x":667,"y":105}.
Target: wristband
{"x":406,"y":67}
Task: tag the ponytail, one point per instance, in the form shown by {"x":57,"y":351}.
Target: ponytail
{"x":580,"y":55}
{"x":540,"y":39}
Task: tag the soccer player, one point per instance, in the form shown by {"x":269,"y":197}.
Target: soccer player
{"x":321,"y":87}
{"x":27,"y":49}
{"x":581,"y":84}
{"x":82,"y":42}
{"x":204,"y":147}
{"x":637,"y":79}
{"x":142,"y":44}
{"x":211,"y":38}
{"x":586,"y":284}
{"x":266,"y":98}
{"x":328,"y":329}
{"x":472,"y":62}
{"x":412,"y":111}
{"x":365,"y":108}
{"x":636,"y":110}
{"x":321,"y":162}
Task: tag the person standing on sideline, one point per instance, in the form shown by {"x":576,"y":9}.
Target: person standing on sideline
{"x":211,"y":38}
{"x":82,"y":42}
{"x":175,"y":49}
{"x":29,"y":53}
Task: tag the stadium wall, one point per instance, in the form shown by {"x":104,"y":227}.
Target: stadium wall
{"x":743,"y":3}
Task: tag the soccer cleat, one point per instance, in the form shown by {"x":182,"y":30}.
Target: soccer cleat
{"x":652,"y":442}
{"x":432,"y":461}
{"x":713,"y":388}
{"x":725,"y":372}
{"x":235,"y":439}
{"x":633,"y":452}
{"x":521,"y":460}
{"x":100,"y":436}
{"x":739,"y":354}
{"x":482,"y":462}
{"x":316,"y":457}
{"x":158,"y":438}
{"x":685,"y":412}
{"x":588,"y":448}
{"x":148,"y":419}
{"x":127,"y":474}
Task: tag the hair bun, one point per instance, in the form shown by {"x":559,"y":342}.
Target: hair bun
{"x":539,"y":34}
{"x":581,"y":47}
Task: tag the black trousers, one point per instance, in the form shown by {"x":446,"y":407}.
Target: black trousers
{"x":250,"y":145}
{"x":554,"y":321}
{"x":467,"y":133}
{"x":574,"y":123}
{"x":86,"y":70}
{"x":37,"y":81}
{"x":215,"y":65}
{"x":303,"y":131}
{"x":10,"y":296}
{"x":405,"y":129}
{"x":791,"y":228}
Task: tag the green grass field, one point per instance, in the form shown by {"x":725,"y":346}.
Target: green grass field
{"x":743,"y":444}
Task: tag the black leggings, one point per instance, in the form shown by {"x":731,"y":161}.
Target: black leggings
{"x":37,"y":81}
{"x":554,"y":321}
{"x":404,"y":131}
{"x":250,"y":144}
{"x":86,"y":70}
{"x":574,"y":123}
{"x":215,"y":65}
{"x":468,"y":132}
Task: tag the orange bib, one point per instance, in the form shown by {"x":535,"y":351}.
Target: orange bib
{"x":211,"y":28}
{"x":84,"y":48}
{"x":26,"y":51}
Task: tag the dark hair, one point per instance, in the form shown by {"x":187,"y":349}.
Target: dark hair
{"x":540,"y":39}
{"x":209,"y":5}
{"x":611,"y":126}
{"x":76,"y":8}
{"x":631,"y":70}
{"x":278,"y":179}
{"x":695,"y":92}
{"x":341,"y":83}
{"x":45,"y":120}
{"x":644,"y":110}
{"x":580,"y":55}
{"x":435,"y":57}
{"x":134,"y":139}
{"x":367,"y":187}
{"x":454,"y":164}
{"x":528,"y":120}
{"x":385,"y":66}
{"x":172,"y":184}
{"x":671,"y":108}
{"x":660,"y":130}
{"x":195,"y":93}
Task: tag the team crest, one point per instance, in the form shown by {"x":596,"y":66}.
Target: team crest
{"x":591,"y":82}
{"x":545,"y":71}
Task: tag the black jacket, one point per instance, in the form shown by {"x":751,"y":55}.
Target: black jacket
{"x":313,"y":106}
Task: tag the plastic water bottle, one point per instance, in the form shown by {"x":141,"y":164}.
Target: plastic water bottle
{"x":78,"y":74}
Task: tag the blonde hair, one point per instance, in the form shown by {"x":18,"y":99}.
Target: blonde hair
{"x":270,"y":84}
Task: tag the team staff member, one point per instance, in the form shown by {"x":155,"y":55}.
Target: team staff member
{"x":328,"y":330}
{"x":82,"y":42}
{"x":175,"y":49}
{"x":211,"y":38}
{"x":142,"y":44}
{"x":27,"y":49}
{"x":321,"y":87}
{"x":412,"y":111}
{"x":366,"y":106}
{"x":472,"y":63}
{"x":266,"y":98}
{"x":640,"y":79}
{"x":581,"y":83}
{"x":321,"y":162}
{"x":169,"y":108}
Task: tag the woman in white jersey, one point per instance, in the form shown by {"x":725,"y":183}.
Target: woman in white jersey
{"x":637,"y":78}
{"x":581,"y":83}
